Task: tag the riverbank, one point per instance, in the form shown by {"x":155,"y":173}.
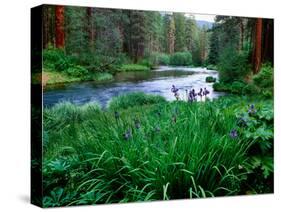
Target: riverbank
{"x":139,"y":148}
{"x":55,"y":77}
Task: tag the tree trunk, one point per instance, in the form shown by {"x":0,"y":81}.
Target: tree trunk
{"x":258,"y":46}
{"x":46,"y":26}
{"x":90,"y":26}
{"x":241,"y":34}
{"x":59,"y":26}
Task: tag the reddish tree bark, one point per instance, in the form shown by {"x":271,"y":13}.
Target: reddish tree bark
{"x":59,"y":26}
{"x":258,"y":46}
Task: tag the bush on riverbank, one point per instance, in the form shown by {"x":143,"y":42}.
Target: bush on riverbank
{"x":134,"y":99}
{"x":262,"y":84}
{"x":181,"y":59}
{"x":210,"y":79}
{"x":159,"y":59}
{"x":86,"y":67}
{"x":233,"y":66}
{"x":140,"y":153}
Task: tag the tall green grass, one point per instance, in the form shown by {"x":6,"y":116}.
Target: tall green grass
{"x":155,"y":151}
{"x":134,"y":99}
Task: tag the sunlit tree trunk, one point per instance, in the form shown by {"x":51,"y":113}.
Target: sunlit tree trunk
{"x":60,"y":36}
{"x":258,"y":46}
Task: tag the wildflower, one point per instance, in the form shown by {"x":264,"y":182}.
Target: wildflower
{"x":205,"y":92}
{"x":137,"y":124}
{"x":192,"y":95}
{"x":200,"y":93}
{"x":127,"y":135}
{"x":233,"y":133}
{"x":252,"y":110}
{"x":242,"y":121}
{"x":116,"y":115}
{"x":175,"y":91}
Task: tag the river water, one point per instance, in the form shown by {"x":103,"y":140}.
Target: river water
{"x":158,"y":81}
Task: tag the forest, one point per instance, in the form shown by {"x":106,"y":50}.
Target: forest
{"x":143,"y":146}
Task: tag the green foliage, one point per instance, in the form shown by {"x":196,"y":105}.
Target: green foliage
{"x":102,"y":76}
{"x":55,"y":59}
{"x":211,"y":67}
{"x":159,"y":59}
{"x":256,"y":125}
{"x":264,"y":80}
{"x":180,"y":32}
{"x":134,"y":67}
{"x":237,"y":87}
{"x":140,"y":153}
{"x":251,"y":89}
{"x":146,"y":62}
{"x":134,"y":99}
{"x":181,"y":59}
{"x":232,"y":65}
{"x":76,"y":71}
{"x":211,"y":79}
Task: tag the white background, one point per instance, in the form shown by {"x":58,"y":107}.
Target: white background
{"x":15,"y":102}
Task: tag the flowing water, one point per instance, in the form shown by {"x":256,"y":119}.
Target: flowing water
{"x":158,"y":81}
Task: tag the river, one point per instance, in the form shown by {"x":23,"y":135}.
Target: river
{"x":158,"y":81}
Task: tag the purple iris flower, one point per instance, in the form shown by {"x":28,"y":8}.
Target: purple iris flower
{"x":127,"y":135}
{"x":200,"y":93}
{"x":233,"y":133}
{"x":205,"y":92}
{"x":192,"y":95}
{"x":175,"y":91}
{"x":137,"y":124}
{"x":252,"y":110}
{"x":242,"y":121}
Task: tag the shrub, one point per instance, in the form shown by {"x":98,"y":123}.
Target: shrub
{"x":181,"y":59}
{"x":232,"y":65}
{"x":264,"y":78}
{"x":220,"y":86}
{"x":211,"y":79}
{"x":134,"y":99}
{"x":250,"y":89}
{"x":54,"y":59}
{"x":237,"y":87}
{"x":146,"y":62}
{"x":159,"y":59}
{"x":76,"y":71}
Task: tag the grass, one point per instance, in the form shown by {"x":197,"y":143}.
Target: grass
{"x":152,"y":151}
{"x":134,"y":67}
{"x":134,"y":99}
{"x":52,"y":77}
